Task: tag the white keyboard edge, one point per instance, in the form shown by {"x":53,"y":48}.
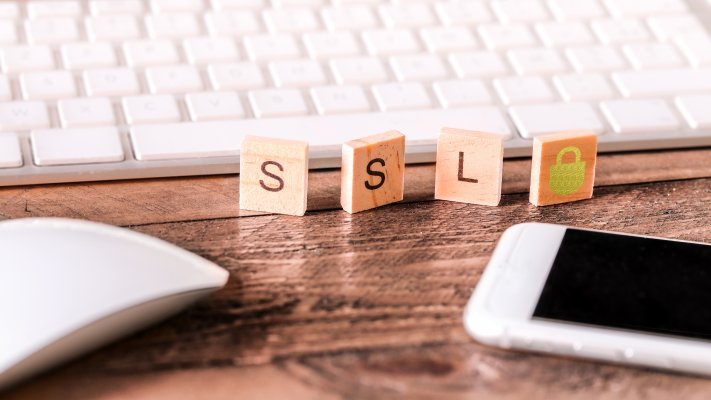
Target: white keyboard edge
{"x":319,"y":158}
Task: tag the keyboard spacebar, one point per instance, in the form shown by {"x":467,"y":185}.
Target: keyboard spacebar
{"x":224,"y":138}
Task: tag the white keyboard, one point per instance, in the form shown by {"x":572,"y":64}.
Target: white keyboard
{"x":122,"y":89}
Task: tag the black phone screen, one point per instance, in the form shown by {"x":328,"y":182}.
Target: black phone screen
{"x":630,"y":283}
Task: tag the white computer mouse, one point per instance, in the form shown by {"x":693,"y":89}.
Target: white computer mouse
{"x":70,"y":286}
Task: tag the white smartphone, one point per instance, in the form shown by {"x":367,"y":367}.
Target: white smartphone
{"x":600,"y":295}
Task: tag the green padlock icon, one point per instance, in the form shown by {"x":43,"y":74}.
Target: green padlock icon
{"x":567,"y":178}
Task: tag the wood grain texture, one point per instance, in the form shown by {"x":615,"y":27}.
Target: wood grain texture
{"x":340,"y":306}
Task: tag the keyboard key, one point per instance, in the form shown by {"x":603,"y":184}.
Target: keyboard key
{"x":611,"y":31}
{"x":663,"y":82}
{"x":351,"y":2}
{"x":235,"y":76}
{"x":5,"y":90}
{"x":695,"y":110}
{"x":462,"y":93}
{"x":76,"y":146}
{"x":81,"y":56}
{"x":478,"y":64}
{"x":51,"y":31}
{"x":506,"y":36}
{"x":10,"y":152}
{"x":564,"y":33}
{"x":331,"y":44}
{"x":50,"y":85}
{"x":23,"y":115}
{"x":523,"y":90}
{"x":358,"y":70}
{"x":144,"y":53}
{"x":101,"y":7}
{"x":84,"y":112}
{"x":418,"y":67}
{"x":291,"y":20}
{"x":349,"y":18}
{"x":652,"y":55}
{"x":232,"y":23}
{"x":9,"y":10}
{"x":463,"y":13}
{"x":340,"y":99}
{"x":164,"y":6}
{"x":595,"y":58}
{"x":8,"y":32}
{"x":401,"y":96}
{"x":210,"y":106}
{"x":271,"y":47}
{"x":406,"y":15}
{"x":576,"y":87}
{"x":53,"y":8}
{"x":223,"y":5}
{"x":670,"y":26}
{"x":297,"y":3}
{"x":17,"y":59}
{"x":150,"y":109}
{"x":205,"y":50}
{"x":112,"y":28}
{"x":385,"y":42}
{"x":509,"y":11}
{"x":277,"y":103}
{"x":640,"y":116}
{"x":172,"y":26}
{"x":626,"y":8}
{"x":194,"y":140}
{"x":173,"y":79}
{"x":696,"y":47}
{"x":239,"y":4}
{"x":448,"y":39}
{"x":579,"y":9}
{"x":543,"y":119}
{"x":111,"y":82}
{"x":537,"y":61}
{"x":298,"y":73}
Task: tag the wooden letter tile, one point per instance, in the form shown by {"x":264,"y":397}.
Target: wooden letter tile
{"x":273,"y":175}
{"x":373,"y":171}
{"x":469,"y":166}
{"x":563,"y":167}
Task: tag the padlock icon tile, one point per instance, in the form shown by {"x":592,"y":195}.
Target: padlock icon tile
{"x":567,"y":178}
{"x":563,"y":167}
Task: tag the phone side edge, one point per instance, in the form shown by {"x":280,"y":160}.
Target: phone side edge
{"x":479,"y":322}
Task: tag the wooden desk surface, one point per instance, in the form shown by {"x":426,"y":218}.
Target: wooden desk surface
{"x":333,"y":306}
